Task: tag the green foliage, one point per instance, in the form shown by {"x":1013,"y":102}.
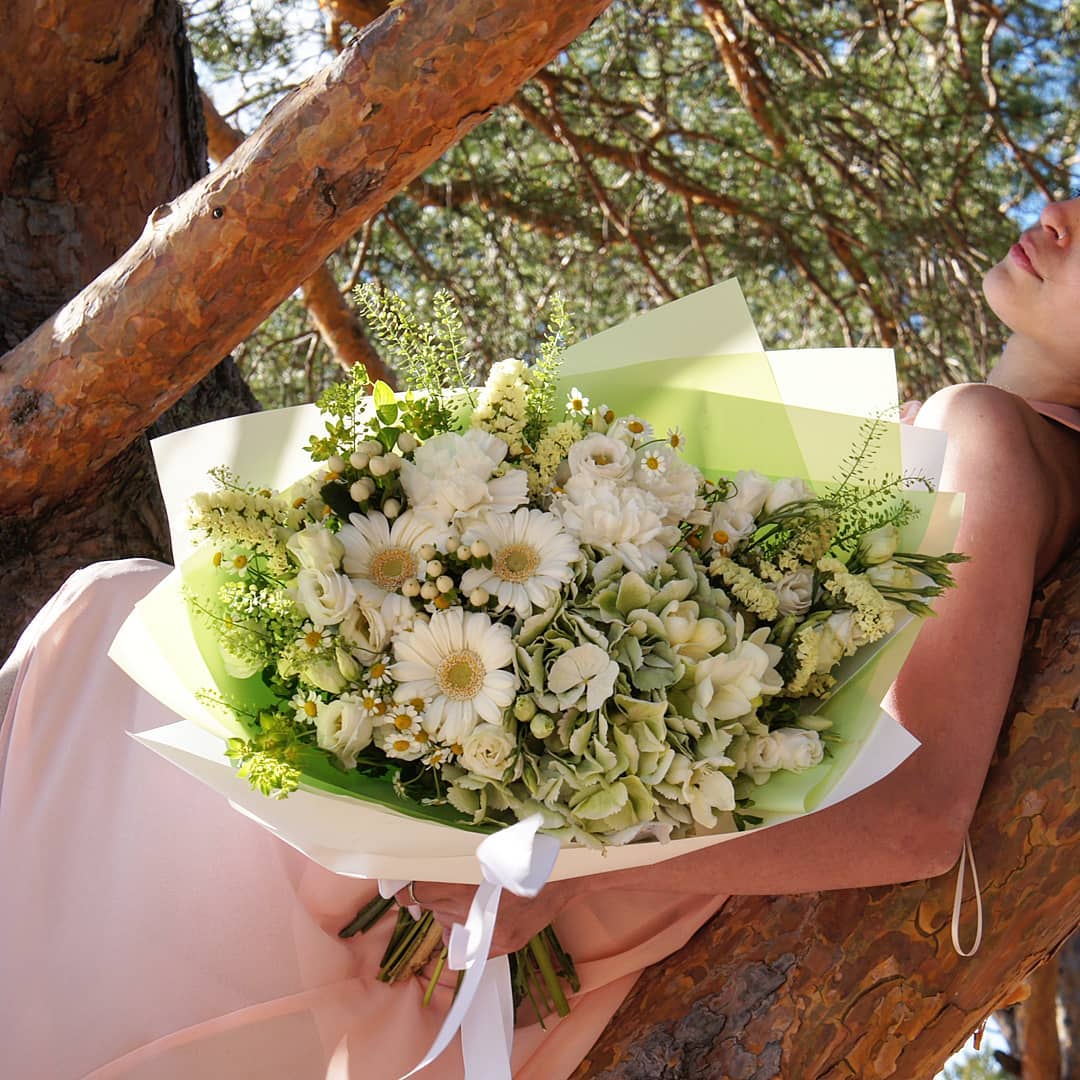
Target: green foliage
{"x":873,"y":161}
{"x":540,"y":395}
{"x":267,"y":759}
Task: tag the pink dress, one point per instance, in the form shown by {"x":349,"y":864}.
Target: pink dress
{"x":150,"y":932}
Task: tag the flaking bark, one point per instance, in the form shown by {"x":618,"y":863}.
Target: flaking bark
{"x":212,"y":263}
{"x":864,"y":983}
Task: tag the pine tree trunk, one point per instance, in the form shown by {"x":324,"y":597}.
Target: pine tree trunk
{"x":864,"y":983}
{"x":99,"y":127}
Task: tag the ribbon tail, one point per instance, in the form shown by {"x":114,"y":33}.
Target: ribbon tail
{"x":487,"y":1033}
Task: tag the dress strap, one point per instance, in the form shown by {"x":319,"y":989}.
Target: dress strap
{"x":967,"y":856}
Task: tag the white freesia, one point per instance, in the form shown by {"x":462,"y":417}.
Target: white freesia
{"x":487,"y":751}
{"x":450,"y":478}
{"x":618,"y":520}
{"x":601,"y":457}
{"x":583,"y":670}
{"x":751,"y":491}
{"x":315,"y":547}
{"x":702,"y":787}
{"x":691,"y":636}
{"x":879,"y":545}
{"x":343,"y":727}
{"x":793,"y":489}
{"x":456,"y":662}
{"x":728,"y":685}
{"x":532,"y":557}
{"x":795,"y":591}
{"x":325,"y":596}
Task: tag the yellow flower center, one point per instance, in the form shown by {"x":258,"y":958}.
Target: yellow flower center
{"x":461,"y":675}
{"x":217,"y":558}
{"x":636,"y":427}
{"x":652,"y":462}
{"x":577,"y":405}
{"x":609,"y":416}
{"x":602,"y":459}
{"x":403,"y":721}
{"x":240,"y":561}
{"x":457,"y":749}
{"x":516,"y":562}
{"x":380,"y":708}
{"x":392,"y":567}
{"x":421,"y":737}
{"x":401,"y":745}
{"x":313,"y":639}
{"x":331,"y":476}
{"x":377,"y":670}
{"x":298,"y":502}
{"x":417,"y":703}
{"x":720,"y":536}
{"x":311,"y":708}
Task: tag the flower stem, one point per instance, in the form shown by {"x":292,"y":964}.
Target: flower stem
{"x":367,"y":917}
{"x":538,"y":948}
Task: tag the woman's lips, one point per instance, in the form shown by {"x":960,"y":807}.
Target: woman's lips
{"x":1020,"y":256}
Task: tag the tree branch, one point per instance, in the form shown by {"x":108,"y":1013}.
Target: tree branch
{"x":213,"y":263}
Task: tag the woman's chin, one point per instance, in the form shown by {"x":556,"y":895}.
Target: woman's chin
{"x":1002,"y":293}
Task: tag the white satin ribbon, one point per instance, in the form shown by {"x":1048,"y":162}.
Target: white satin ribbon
{"x":519,"y":860}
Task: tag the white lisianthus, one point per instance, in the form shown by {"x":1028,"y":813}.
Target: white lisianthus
{"x":692,"y":637}
{"x":728,"y":527}
{"x":315,"y":547}
{"x":450,"y":478}
{"x":583,"y":670}
{"x":794,"y":489}
{"x":601,"y":457}
{"x":487,"y":751}
{"x":727,"y":686}
{"x":673,"y":481}
{"x":795,"y":591}
{"x":879,"y":545}
{"x":751,"y":491}
{"x":456,"y":662}
{"x":619,"y":520}
{"x":532,"y":557}
{"x":343,"y":727}
{"x":891,"y":575}
{"x":364,"y":629}
{"x":325,"y":596}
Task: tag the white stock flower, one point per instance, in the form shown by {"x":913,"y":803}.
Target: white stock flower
{"x":325,"y":597}
{"x":601,"y":457}
{"x":531,"y":559}
{"x":619,"y":520}
{"x":793,"y":489}
{"x":795,"y":591}
{"x":583,"y":670}
{"x":456,"y":662}
{"x":343,"y":727}
{"x":751,"y":491}
{"x":879,"y":545}
{"x":728,"y":686}
{"x":486,"y":751}
{"x":673,"y":481}
{"x":450,"y":477}
{"x":316,"y":548}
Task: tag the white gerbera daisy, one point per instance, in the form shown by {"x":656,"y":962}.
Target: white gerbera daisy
{"x":531,"y":559}
{"x":457,"y":661}
{"x":379,"y":559}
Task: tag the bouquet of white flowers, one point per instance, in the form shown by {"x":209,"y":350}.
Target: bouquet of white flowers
{"x":545,"y":602}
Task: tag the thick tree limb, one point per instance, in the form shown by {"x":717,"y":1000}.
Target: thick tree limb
{"x":335,"y":320}
{"x":864,"y":982}
{"x":210,"y":265}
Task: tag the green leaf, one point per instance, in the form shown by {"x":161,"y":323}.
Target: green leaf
{"x":383,"y":395}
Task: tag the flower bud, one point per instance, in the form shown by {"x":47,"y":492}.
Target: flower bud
{"x":379,"y":466}
{"x":427,"y":551}
{"x":479,"y":549}
{"x":541,"y":725}
{"x":336,"y":464}
{"x":434,"y":568}
{"x":479,"y":597}
{"x":878,"y":545}
{"x":411,"y":587}
{"x":406,"y":442}
{"x":361,"y":490}
{"x":524,"y":708}
{"x":444,"y":583}
{"x":391,"y":508}
{"x":463,"y":553}
{"x":347,"y":664}
{"x":428,"y":590}
{"x":358,"y":459}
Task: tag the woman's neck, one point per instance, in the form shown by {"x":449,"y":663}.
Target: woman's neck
{"x":1030,"y":371}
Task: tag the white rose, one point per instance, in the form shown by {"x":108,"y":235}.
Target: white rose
{"x":798,"y":749}
{"x":891,"y":575}
{"x":599,"y":456}
{"x":343,"y":727}
{"x":795,"y":592}
{"x":879,"y":545}
{"x":762,"y":754}
{"x":787,"y":491}
{"x":487,"y":750}
{"x":316,"y":548}
{"x":326,"y":597}
{"x":752,"y":489}
{"x":585,"y":669}
{"x":834,"y":638}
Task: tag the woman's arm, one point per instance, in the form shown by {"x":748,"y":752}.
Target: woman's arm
{"x":952,"y":695}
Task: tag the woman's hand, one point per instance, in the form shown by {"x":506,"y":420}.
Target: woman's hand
{"x":518,"y":920}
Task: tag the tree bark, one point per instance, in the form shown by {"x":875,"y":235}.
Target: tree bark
{"x":334,"y":319}
{"x":211,"y":264}
{"x":102,"y":124}
{"x":1041,"y":1056}
{"x":864,"y":982}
